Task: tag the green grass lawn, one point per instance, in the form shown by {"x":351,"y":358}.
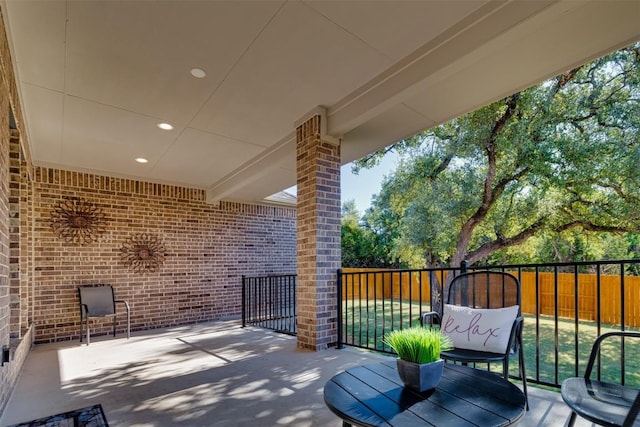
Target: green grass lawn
{"x":545,"y":343}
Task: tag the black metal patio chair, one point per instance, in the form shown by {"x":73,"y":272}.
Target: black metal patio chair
{"x":99,"y":301}
{"x":472,"y":296}
{"x":602,"y":403}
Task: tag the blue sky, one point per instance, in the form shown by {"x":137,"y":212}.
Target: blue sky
{"x":367,"y":183}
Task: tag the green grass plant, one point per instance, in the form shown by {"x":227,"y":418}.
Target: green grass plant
{"x":417,"y":344}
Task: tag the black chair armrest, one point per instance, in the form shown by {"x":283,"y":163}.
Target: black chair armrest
{"x":431,"y":315}
{"x":516,"y":330}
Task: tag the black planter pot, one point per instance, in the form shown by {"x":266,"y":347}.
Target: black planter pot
{"x":420,"y":377}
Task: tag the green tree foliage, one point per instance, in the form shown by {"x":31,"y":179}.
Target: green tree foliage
{"x":558,"y":159}
{"x":362,"y":246}
{"x":572,"y":245}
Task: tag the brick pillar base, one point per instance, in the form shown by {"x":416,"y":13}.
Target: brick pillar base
{"x":318,"y":227}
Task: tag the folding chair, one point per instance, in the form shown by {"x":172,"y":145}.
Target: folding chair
{"x":99,"y":301}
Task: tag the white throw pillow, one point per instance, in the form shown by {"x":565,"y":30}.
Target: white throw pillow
{"x":479,"y":329}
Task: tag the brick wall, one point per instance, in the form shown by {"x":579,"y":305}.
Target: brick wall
{"x":7,"y":379}
{"x":8,"y":104}
{"x":208,"y":249}
{"x":19,"y":351}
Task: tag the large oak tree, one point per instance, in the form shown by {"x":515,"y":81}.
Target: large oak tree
{"x":562,"y":155}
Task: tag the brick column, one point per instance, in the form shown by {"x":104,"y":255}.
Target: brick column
{"x":318,"y":238}
{"x":14,"y":233}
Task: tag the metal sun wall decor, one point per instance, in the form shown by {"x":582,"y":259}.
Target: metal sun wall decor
{"x":78,"y":221}
{"x":143,"y":253}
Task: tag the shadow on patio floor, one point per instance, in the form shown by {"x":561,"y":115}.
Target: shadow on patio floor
{"x":212,"y":374}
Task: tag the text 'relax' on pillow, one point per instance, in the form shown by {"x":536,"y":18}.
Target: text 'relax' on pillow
{"x":479,"y":329}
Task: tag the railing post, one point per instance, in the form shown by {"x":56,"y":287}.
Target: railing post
{"x":464,"y":266}
{"x":339,"y":344}
{"x":244,"y":303}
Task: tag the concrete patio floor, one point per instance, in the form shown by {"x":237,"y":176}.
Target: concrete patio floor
{"x":211,"y":374}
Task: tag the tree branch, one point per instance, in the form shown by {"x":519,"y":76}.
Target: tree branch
{"x":371,"y":160}
{"x":441,"y":167}
{"x":488,"y":195}
{"x":592,"y":227}
{"x":500,"y":186}
{"x":488,"y":191}
{"x":564,"y":79}
{"x":501,"y":243}
{"x":488,"y":248}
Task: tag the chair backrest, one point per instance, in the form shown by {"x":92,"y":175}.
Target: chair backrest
{"x":485,"y":289}
{"x":99,"y":300}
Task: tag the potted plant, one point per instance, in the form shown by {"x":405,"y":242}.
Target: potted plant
{"x":418,"y":349}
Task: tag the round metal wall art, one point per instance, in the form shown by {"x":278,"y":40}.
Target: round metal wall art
{"x":78,"y":221}
{"x":143,"y":253}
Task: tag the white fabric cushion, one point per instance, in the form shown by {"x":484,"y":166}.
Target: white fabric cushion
{"x":479,"y":329}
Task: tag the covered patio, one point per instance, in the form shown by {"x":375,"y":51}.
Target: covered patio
{"x":140,"y":143}
{"x":213,"y":373}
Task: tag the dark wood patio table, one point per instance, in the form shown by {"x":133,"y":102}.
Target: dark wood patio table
{"x":373,"y":395}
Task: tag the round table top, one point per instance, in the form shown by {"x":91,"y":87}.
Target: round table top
{"x":373,"y":395}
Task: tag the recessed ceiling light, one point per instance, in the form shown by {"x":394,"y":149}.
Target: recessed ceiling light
{"x":142,"y":160}
{"x":198,"y":73}
{"x":165,"y":126}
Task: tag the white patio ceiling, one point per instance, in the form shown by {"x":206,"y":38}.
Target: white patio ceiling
{"x":96,"y":77}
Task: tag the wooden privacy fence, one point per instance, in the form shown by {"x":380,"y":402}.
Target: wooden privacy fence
{"x":370,"y":283}
{"x":556,"y":293}
{"x":606,"y":299}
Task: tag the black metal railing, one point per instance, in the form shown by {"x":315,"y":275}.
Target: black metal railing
{"x":375,"y":302}
{"x":569,"y":306}
{"x":270,"y":302}
{"x":565,"y":305}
